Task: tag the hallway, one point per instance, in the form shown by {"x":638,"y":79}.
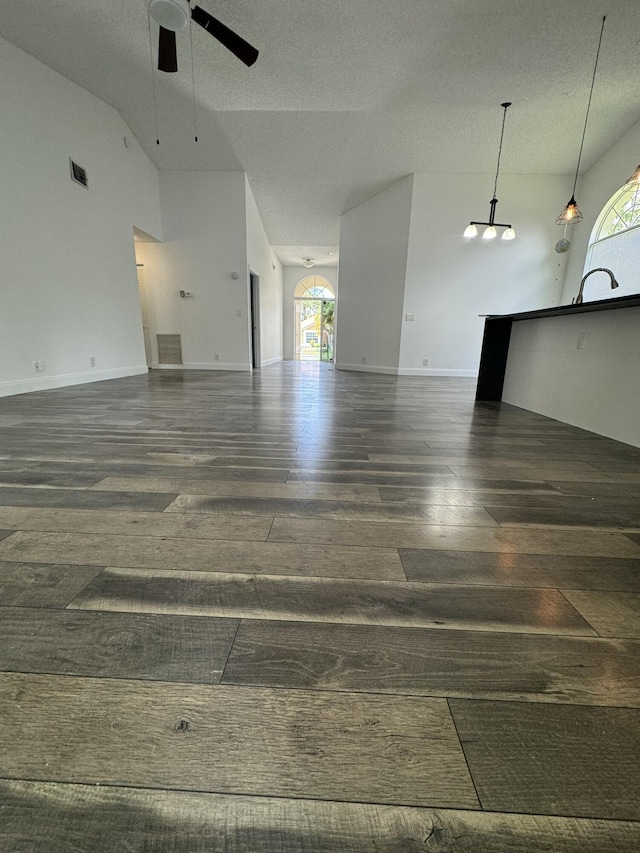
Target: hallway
{"x":312,"y":610}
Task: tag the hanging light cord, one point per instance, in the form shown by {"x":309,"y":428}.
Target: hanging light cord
{"x":586,"y":119}
{"x":505,"y":107}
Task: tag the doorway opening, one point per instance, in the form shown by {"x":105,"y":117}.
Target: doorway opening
{"x":144,"y":310}
{"x":254,"y":303}
{"x":314,"y":319}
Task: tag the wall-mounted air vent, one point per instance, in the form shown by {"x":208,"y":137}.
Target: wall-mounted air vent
{"x":78,"y":174}
{"x":169,"y":349}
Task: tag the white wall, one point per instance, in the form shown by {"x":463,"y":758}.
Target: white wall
{"x":264,"y":263}
{"x":68,"y":286}
{"x":205,"y":228}
{"x":402,"y":253}
{"x":374,"y":241}
{"x":596,"y":388}
{"x":292,"y":278}
{"x":450,"y":280}
{"x":593,"y":192}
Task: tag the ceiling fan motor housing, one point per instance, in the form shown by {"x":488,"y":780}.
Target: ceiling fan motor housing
{"x":171,"y":14}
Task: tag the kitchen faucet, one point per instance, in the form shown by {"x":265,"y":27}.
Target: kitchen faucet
{"x":614,"y":283}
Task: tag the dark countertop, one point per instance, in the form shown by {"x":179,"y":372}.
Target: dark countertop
{"x":632,"y":301}
{"x":497,"y":336}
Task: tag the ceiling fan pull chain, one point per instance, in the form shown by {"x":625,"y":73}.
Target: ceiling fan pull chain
{"x":193,"y":83}
{"x":153,"y":79}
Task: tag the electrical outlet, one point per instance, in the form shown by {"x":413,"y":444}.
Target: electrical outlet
{"x":364,"y":360}
{"x":92,"y":361}
{"x":425,"y":362}
{"x":582,"y":340}
{"x":216,"y":356}
{"x":39,"y":366}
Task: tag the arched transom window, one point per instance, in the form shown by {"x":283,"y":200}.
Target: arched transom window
{"x":314,"y":287}
{"x":615,"y":245}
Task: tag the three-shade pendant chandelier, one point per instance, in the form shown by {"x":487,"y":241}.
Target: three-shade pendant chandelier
{"x":491,"y":227}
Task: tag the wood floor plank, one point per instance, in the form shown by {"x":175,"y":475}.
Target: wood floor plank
{"x":142,"y":466}
{"x":552,"y":759}
{"x":463,"y":664}
{"x":394,"y":535}
{"x":85,"y":499}
{"x":348,"y":747}
{"x":204,"y":555}
{"x":551,"y":474}
{"x":489,"y":498}
{"x":41,"y":817}
{"x":598,"y":489}
{"x":114,"y":645}
{"x":335,"y":510}
{"x":509,"y":569}
{"x":612,"y":614}
{"x":115,"y":522}
{"x":371,"y":478}
{"x":5,"y":533}
{"x":33,"y":477}
{"x":478,"y":485}
{"x":227,"y":488}
{"x":621,"y":517}
{"x":42,"y":585}
{"x":332,"y":600}
{"x":542,"y":469}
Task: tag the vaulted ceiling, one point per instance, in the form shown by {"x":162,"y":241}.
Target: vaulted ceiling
{"x":348,"y":96}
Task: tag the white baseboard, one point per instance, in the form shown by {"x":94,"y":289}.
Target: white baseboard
{"x":269,"y":361}
{"x":202,"y":365}
{"x":368,"y":368}
{"x":46,"y":383}
{"x":437,"y":371}
{"x":409,"y":371}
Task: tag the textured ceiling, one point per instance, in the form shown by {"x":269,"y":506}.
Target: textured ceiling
{"x":348,"y":96}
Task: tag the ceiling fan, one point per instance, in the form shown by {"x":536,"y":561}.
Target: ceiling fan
{"x":173,"y":15}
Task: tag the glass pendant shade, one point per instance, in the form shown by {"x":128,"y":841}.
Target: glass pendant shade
{"x":490,"y":233}
{"x":470,"y":232}
{"x":571,"y":214}
{"x":509,"y":234}
{"x":635,"y":178}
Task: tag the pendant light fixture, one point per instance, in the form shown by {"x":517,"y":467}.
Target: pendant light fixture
{"x":571,"y":214}
{"x":634,"y":180}
{"x":491,"y":232}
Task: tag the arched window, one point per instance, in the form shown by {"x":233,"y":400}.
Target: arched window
{"x":314,"y":287}
{"x":615,"y":245}
{"x":314,"y":304}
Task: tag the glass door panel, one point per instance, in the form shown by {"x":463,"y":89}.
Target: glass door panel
{"x":326,"y":330}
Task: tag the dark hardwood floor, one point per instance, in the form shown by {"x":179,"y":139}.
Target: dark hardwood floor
{"x":306,"y":610}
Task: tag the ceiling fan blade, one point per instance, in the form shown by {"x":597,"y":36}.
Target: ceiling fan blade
{"x":232,"y":41}
{"x":167,"y":53}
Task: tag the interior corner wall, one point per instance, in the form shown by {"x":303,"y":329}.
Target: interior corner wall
{"x":205,"y":229}
{"x":374,"y":240}
{"x":594,"y":190}
{"x":263,"y":262}
{"x":68,"y":290}
{"x":451,"y":281}
{"x":292,"y":278}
